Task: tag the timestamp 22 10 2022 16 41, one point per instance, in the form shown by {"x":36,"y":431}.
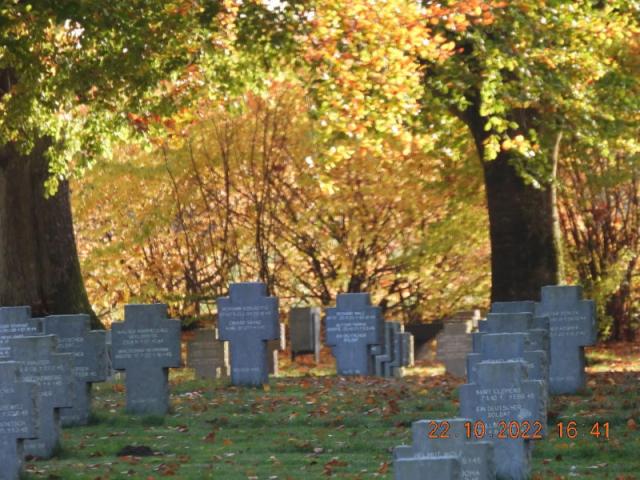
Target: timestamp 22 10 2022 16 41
{"x":525,"y":430}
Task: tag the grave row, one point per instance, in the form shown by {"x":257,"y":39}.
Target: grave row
{"x":47,"y":365}
{"x":572,"y":325}
{"x":361,"y":341}
{"x":522,"y":353}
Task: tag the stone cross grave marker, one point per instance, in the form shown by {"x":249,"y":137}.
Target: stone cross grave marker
{"x":247,"y":319}
{"x":453,"y":344}
{"x":443,"y":467}
{"x":507,"y":409}
{"x":353,"y":328}
{"x":538,"y":328}
{"x":403,"y":354}
{"x":208,"y":355}
{"x":39,"y":363}
{"x":511,"y":346}
{"x":18,"y":419}
{"x":395,"y":353}
{"x":520,"y":322}
{"x":146,"y":345}
{"x":572,"y":327}
{"x":89,"y":351}
{"x":304,"y":331}
{"x":383,"y":354}
{"x":16,"y":322}
{"x":445,"y":438}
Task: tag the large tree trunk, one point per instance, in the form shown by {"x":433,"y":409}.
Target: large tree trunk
{"x":524,"y":241}
{"x":38,"y":258}
{"x":523,"y":221}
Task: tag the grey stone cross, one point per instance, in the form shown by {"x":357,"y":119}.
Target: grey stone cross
{"x":39,"y":363}
{"x":247,"y":319}
{"x":353,"y":328}
{"x":18,"y":419}
{"x":146,"y":345}
{"x":509,"y":410}
{"x":89,"y":351}
{"x":572,"y":327}
{"x":16,"y":322}
{"x":452,"y":437}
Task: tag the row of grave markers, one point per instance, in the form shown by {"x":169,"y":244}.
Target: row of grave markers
{"x":47,"y":365}
{"x":522,"y":353}
{"x":510,"y":369}
{"x":362,"y":342}
{"x":46,"y":368}
{"x":248,"y":337}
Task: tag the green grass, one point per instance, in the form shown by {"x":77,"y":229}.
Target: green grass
{"x":314,"y":427}
{"x":612,"y":397}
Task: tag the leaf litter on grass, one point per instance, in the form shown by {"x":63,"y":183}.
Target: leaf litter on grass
{"x":320,"y":426}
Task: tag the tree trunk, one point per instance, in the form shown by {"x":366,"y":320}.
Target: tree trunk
{"x":618,"y":307}
{"x":39,"y":263}
{"x":524,"y":241}
{"x":523,"y":220}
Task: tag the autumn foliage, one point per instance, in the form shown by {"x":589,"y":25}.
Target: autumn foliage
{"x":246,"y":197}
{"x":326,"y":146}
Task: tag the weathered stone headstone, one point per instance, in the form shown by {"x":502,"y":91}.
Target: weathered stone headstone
{"x":18,"y":419}
{"x":511,"y":346}
{"x":353,"y":327}
{"x":522,"y":306}
{"x":208,"y":355}
{"x":39,"y":363}
{"x":275,"y":346}
{"x":114,"y":376}
{"x":503,"y":399}
{"x":520,"y":322}
{"x":383,"y":353}
{"x":247,"y":319}
{"x":89,"y":351}
{"x":455,"y":342}
{"x":572,"y":327}
{"x":16,"y":322}
{"x":395,"y":353}
{"x":425,"y":468}
{"x":304,"y":331}
{"x":445,"y":438}
{"x":146,"y":345}
{"x":395,"y":367}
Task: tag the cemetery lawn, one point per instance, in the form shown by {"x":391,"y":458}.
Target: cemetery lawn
{"x":315,"y":427}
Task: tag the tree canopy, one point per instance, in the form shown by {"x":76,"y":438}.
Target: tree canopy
{"x":541,"y":71}
{"x":88,"y":75}
{"x":394,"y":103}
